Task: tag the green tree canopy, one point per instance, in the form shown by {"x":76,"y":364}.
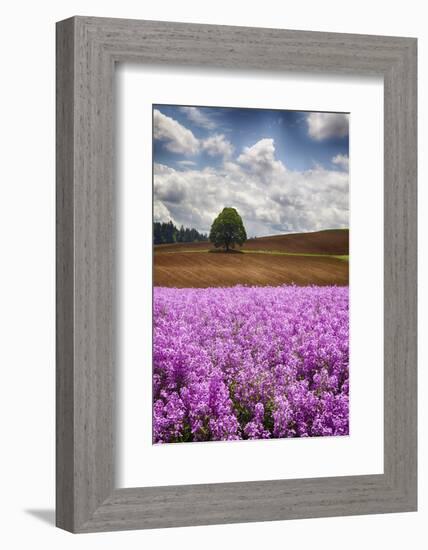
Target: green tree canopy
{"x":167,"y":232}
{"x":228,"y":229}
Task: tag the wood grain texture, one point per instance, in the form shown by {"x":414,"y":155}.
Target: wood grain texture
{"x":87,"y":49}
{"x":64,"y":277}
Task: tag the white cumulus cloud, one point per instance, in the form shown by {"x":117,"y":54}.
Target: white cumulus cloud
{"x":260,"y":159}
{"x":217,"y":145}
{"x":198,"y":117}
{"x":327,"y":125}
{"x":342,"y":161}
{"x":271,"y":198}
{"x":161,"y":212}
{"x":177,"y":138}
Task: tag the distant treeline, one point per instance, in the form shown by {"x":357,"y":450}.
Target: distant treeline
{"x":166,"y":233}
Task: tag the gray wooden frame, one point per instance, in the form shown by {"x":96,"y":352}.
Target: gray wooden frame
{"x":87,"y":50}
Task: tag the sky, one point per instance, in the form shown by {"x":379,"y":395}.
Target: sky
{"x":284,"y":171}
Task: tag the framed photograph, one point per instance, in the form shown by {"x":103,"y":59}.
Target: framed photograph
{"x":236,"y":274}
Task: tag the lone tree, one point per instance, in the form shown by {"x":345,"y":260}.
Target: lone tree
{"x":227,"y":230}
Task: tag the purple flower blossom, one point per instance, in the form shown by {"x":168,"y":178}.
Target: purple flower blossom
{"x":250,"y":363}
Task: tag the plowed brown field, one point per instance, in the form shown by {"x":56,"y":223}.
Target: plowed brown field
{"x":332,"y":241}
{"x":186,"y":265}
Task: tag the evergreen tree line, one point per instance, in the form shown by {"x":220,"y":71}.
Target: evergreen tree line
{"x":166,"y":233}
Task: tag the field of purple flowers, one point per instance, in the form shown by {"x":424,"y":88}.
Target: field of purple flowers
{"x":250,"y":363}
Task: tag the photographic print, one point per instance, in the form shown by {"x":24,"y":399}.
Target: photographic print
{"x":250,"y":274}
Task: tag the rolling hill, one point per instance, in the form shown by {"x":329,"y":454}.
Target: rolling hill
{"x":318,"y":258}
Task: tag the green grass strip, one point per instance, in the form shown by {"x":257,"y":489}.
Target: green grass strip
{"x":343,"y":257}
